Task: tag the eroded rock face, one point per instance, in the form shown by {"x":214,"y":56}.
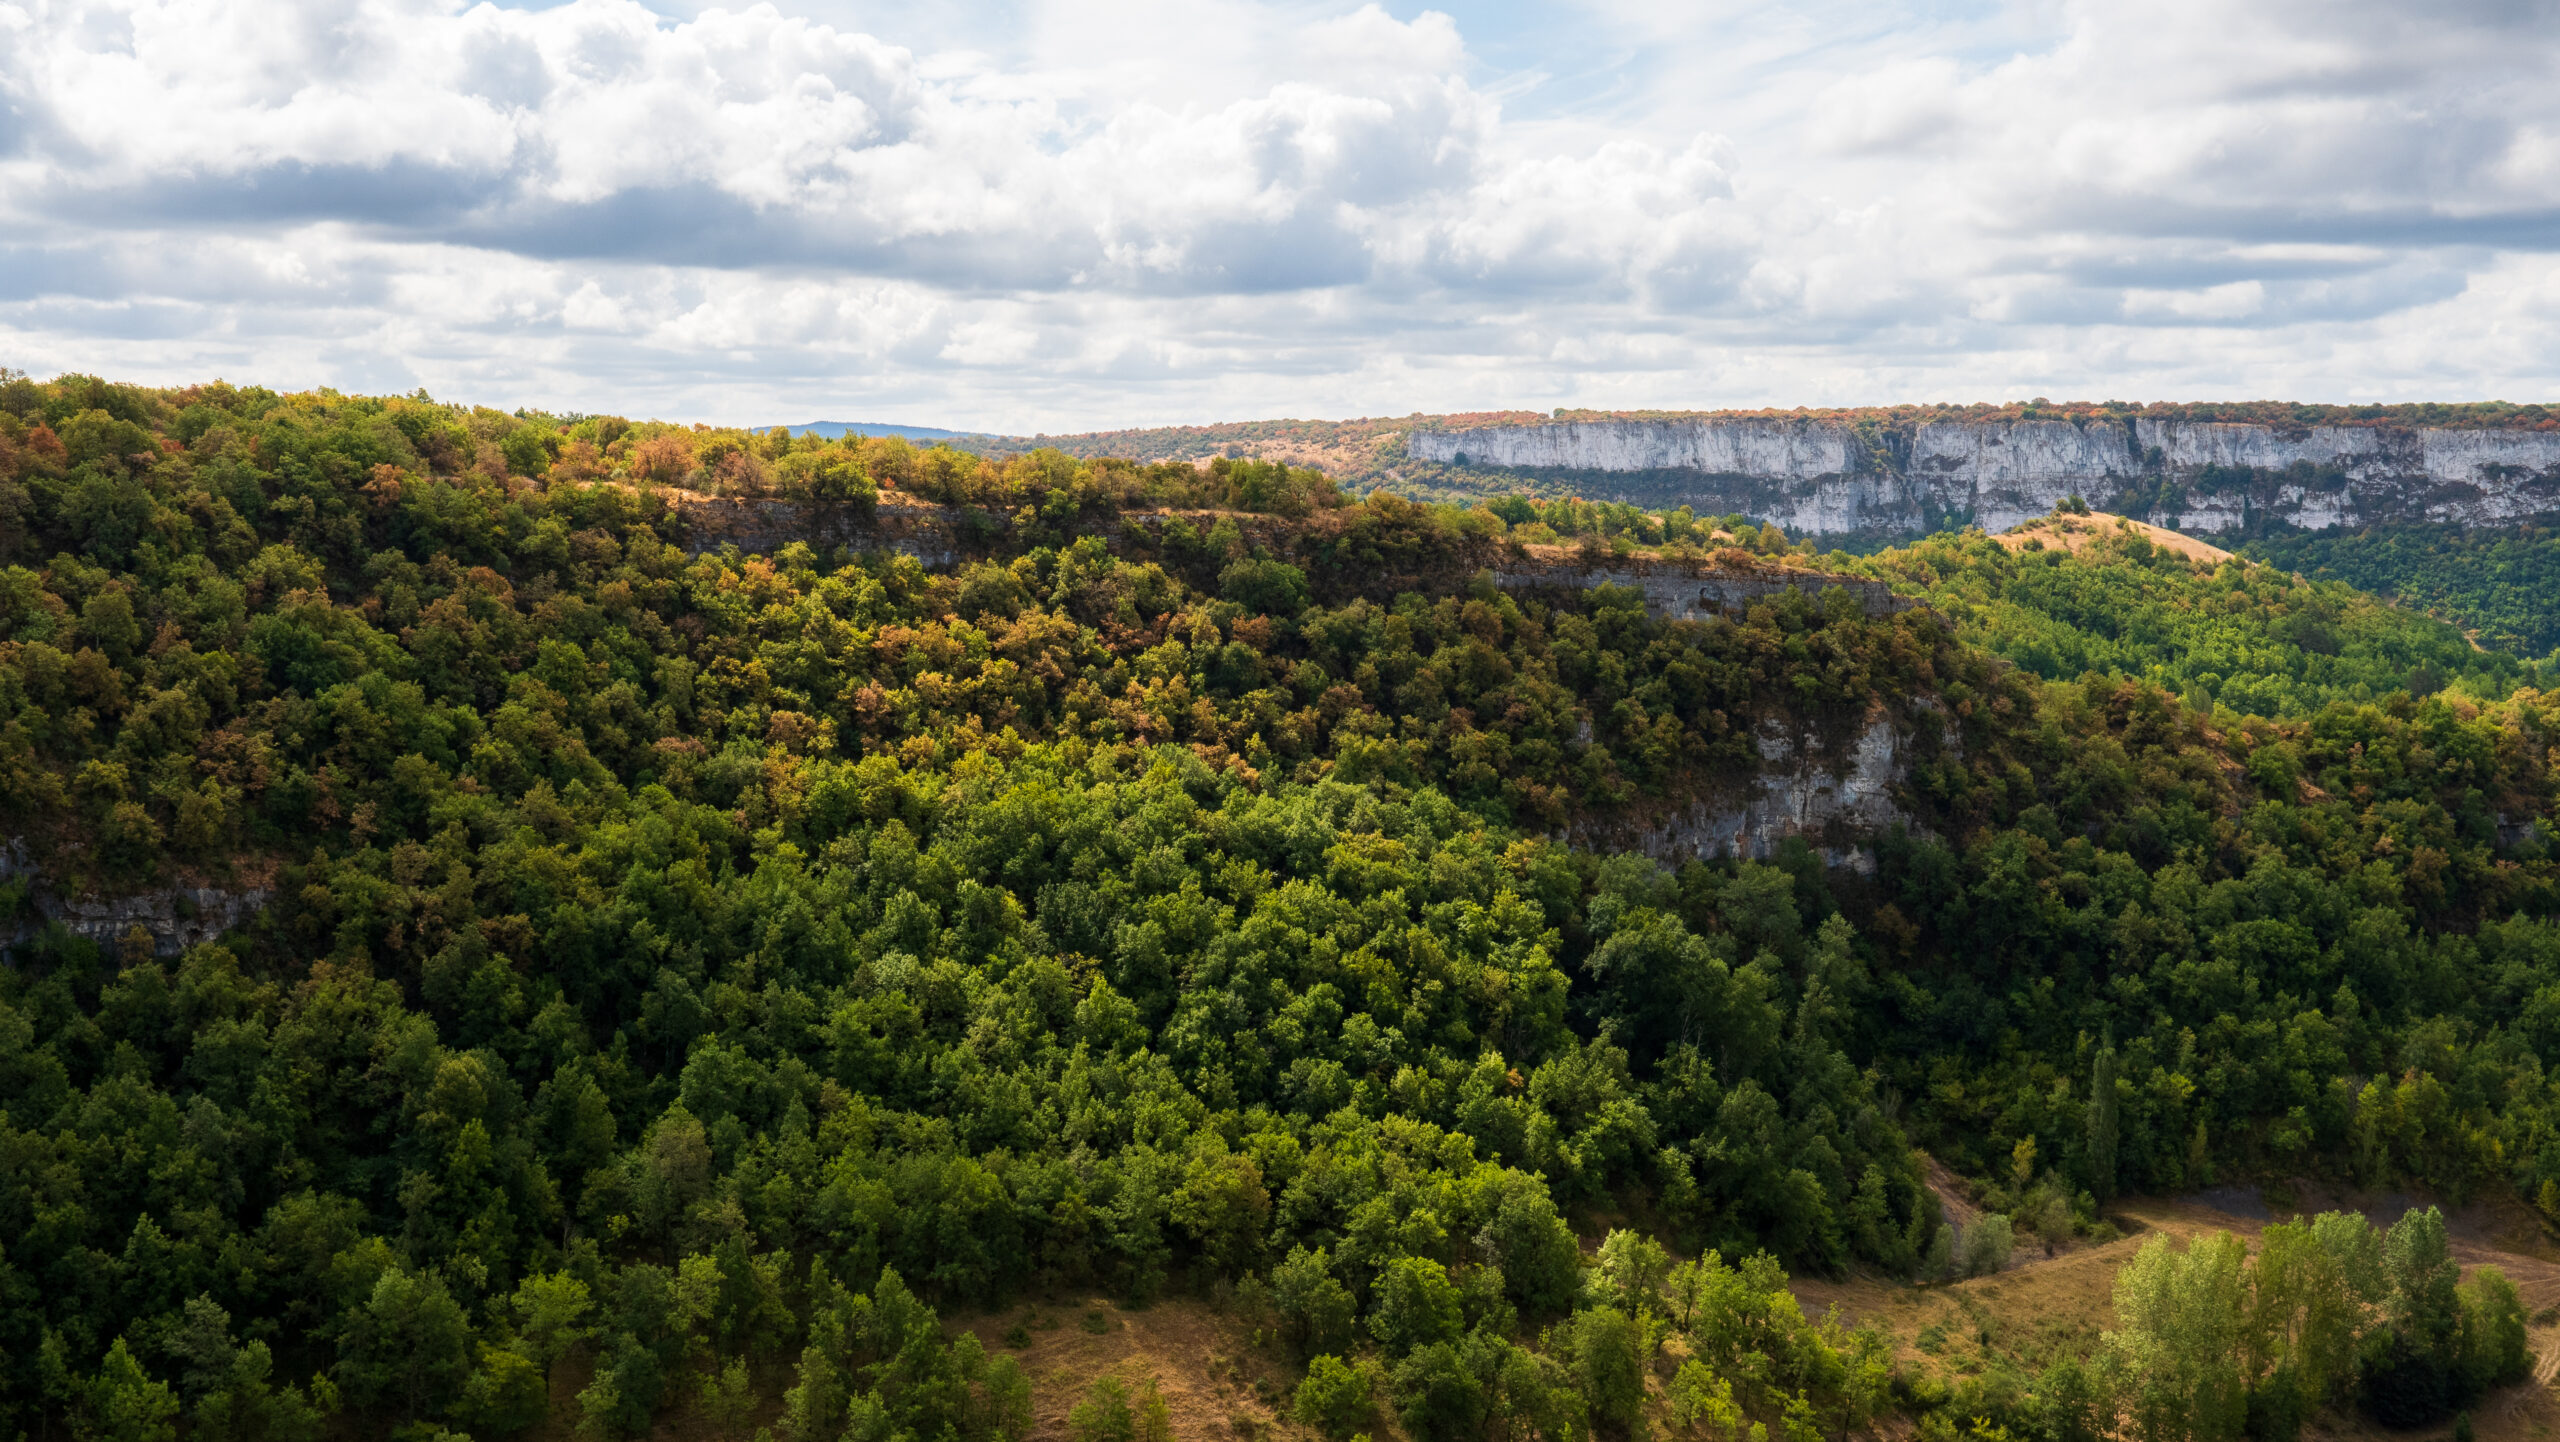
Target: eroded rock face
{"x":175,"y":917}
{"x":1738,"y":447}
{"x":1837,"y":795}
{"x":762,"y":525}
{"x":1824,"y":478}
{"x":1677,"y":592}
{"x":1838,"y":798}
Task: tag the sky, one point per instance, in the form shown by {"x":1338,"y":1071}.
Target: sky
{"x":1036,"y":216}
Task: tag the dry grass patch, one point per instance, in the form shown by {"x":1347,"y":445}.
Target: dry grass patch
{"x":1215,"y":1383}
{"x":2061,"y":532}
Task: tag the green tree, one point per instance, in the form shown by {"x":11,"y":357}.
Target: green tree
{"x":728,"y":1401}
{"x":1005,"y":1401}
{"x":2100,"y":1124}
{"x":1333,"y":1398}
{"x":235,"y":1396}
{"x":1633,"y":1271}
{"x":1445,"y":1391}
{"x":1417,"y":1305}
{"x":406,"y":1348}
{"x":813,"y":1407}
{"x":507,"y":1393}
{"x":1315,"y":1310}
{"x":1609,"y":1360}
{"x":2174,"y":1356}
{"x":128,"y":1404}
{"x":2311,"y":1288}
{"x":1103,"y":1414}
{"x":1700,"y":1398}
{"x":1988,"y":1242}
{"x":2418,"y":1378}
{"x":551,"y":1309}
{"x":2494,"y":1349}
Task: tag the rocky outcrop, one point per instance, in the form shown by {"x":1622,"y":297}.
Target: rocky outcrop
{"x":1838,"y":797}
{"x":174,"y":918}
{"x":1680,"y":591}
{"x":1833,"y":479}
{"x":760,"y":525}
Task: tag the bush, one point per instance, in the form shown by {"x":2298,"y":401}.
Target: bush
{"x":2493,"y":1346}
{"x":1987,"y":1244}
{"x":1104,"y":1415}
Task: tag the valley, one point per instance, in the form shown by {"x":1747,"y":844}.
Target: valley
{"x":574,"y":926}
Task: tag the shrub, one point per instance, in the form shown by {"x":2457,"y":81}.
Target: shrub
{"x":1987,"y":1244}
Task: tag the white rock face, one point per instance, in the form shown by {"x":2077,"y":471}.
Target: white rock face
{"x":1740,"y":447}
{"x":1999,"y":475}
{"x":1820,"y":478}
{"x":2192,"y":444}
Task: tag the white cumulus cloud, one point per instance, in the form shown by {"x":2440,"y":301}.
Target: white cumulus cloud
{"x":1057,"y":215}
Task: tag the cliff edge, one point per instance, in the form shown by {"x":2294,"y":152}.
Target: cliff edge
{"x":1829,"y":478}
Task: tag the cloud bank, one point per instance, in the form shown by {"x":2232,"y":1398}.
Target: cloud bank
{"x":1063,"y":219}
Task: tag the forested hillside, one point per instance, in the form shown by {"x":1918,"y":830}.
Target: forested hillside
{"x":689,"y":972}
{"x":2501,"y":584}
{"x":2256,"y":639}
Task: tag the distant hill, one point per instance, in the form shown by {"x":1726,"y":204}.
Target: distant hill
{"x":837,"y":430}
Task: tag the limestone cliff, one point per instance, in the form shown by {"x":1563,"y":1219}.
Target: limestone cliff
{"x":1827,"y":478}
{"x":173,"y":918}
{"x":1688,"y":591}
{"x":1836,"y":792}
{"x":1836,"y":796}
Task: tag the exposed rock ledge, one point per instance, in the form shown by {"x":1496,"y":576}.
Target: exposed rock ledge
{"x":1837,"y":798}
{"x":1691,"y":591}
{"x":174,"y":917}
{"x":761,"y":525}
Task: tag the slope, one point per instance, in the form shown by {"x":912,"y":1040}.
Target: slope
{"x":685,"y":964}
{"x":2064,"y":596}
{"x":2501,"y":585}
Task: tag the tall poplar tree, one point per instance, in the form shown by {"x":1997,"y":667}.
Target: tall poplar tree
{"x":2102,"y":1121}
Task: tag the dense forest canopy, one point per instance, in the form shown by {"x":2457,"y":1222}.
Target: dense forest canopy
{"x":687,"y":972}
{"x":2501,"y":585}
{"x":2251,"y":638}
